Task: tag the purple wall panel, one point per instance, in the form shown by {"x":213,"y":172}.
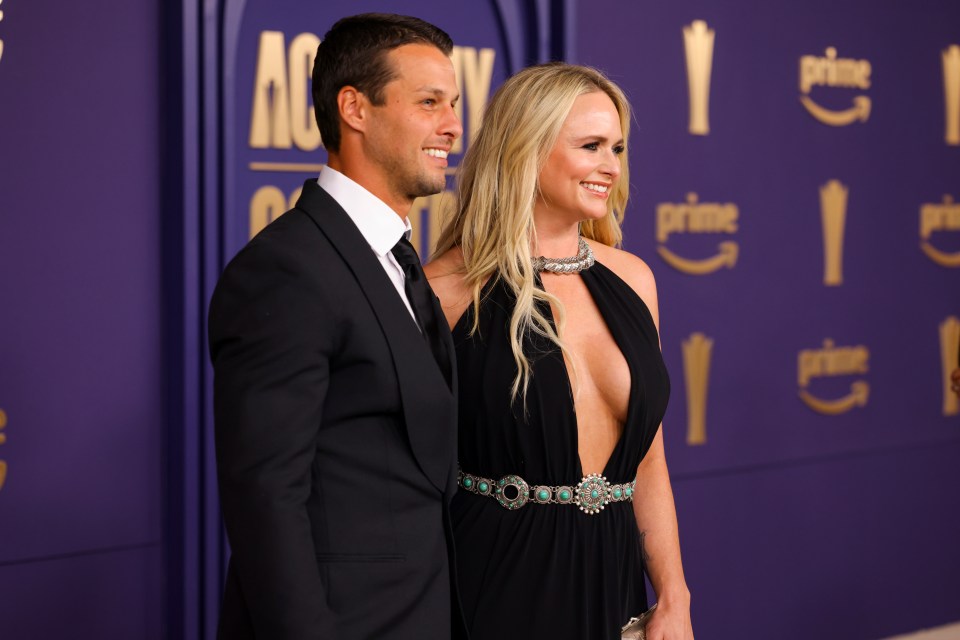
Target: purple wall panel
{"x":80,"y":352}
{"x":94,"y":596}
{"x":853,"y":547}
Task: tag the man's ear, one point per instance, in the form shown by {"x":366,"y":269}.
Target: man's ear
{"x":353,"y":107}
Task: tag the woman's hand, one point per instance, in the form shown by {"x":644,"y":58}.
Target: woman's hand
{"x":671,"y":620}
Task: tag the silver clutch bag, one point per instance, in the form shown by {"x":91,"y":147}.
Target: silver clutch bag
{"x":636,"y":628}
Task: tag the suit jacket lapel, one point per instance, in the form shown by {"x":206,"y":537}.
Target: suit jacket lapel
{"x":426,"y":394}
{"x":445,"y":357}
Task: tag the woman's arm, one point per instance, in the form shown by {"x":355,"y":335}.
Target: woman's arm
{"x":657,"y":519}
{"x":653,"y":497}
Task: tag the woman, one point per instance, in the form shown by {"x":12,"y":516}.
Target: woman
{"x":562,"y":386}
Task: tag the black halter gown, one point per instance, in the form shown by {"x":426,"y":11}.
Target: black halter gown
{"x":549,"y":570}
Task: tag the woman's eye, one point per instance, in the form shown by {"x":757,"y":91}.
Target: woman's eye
{"x":592,"y":146}
{"x":618,"y":149}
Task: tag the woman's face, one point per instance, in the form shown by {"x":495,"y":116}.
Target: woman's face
{"x":584,"y":164}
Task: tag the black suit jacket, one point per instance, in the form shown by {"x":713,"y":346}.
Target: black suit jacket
{"x":336,"y":441}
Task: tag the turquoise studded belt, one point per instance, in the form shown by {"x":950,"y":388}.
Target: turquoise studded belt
{"x":591,"y":494}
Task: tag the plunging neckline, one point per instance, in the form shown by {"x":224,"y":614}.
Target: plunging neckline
{"x":587,"y":277}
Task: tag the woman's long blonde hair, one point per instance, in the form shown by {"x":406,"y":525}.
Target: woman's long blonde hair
{"x":498,"y":186}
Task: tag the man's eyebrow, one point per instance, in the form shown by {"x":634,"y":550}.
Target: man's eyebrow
{"x":439,"y":93}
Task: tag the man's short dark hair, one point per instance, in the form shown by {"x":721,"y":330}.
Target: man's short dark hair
{"x":354,"y":53}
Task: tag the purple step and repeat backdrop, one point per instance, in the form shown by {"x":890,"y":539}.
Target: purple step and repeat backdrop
{"x":80,"y":327}
{"x":795,"y":173}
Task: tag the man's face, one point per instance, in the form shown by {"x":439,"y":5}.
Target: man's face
{"x":415,"y":128}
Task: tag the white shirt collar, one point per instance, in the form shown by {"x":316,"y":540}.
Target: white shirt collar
{"x":379,"y":224}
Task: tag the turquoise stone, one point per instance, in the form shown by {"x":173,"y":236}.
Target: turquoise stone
{"x":544,"y":494}
{"x":617,"y":493}
{"x":629,"y":492}
{"x":564,"y":495}
{"x":594,"y":494}
{"x":467,"y":483}
{"x":483,"y":486}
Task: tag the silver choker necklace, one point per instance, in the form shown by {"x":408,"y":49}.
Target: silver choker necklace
{"x":580,"y":262}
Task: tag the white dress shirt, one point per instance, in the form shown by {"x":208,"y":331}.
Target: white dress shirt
{"x":380,"y":225}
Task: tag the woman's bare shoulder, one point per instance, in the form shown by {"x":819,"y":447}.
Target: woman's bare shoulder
{"x":447,"y":264}
{"x":632,"y":270}
{"x":446,"y":276}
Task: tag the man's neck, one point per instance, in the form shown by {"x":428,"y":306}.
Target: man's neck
{"x":365,"y":176}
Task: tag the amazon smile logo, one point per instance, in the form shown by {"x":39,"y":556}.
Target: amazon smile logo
{"x":834,"y":361}
{"x":698,"y":217}
{"x":939,"y":216}
{"x":830,"y":71}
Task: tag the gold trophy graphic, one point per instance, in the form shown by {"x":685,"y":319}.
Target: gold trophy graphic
{"x":696,"y":370}
{"x":833,"y":212}
{"x":949,"y":348}
{"x":951,"y":93}
{"x":698,"y":46}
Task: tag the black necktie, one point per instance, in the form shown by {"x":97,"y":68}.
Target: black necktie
{"x":421,"y":300}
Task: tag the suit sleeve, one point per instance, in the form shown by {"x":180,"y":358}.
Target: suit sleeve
{"x":270,"y":337}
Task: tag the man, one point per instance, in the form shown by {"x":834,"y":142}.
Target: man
{"x":334,"y":383}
